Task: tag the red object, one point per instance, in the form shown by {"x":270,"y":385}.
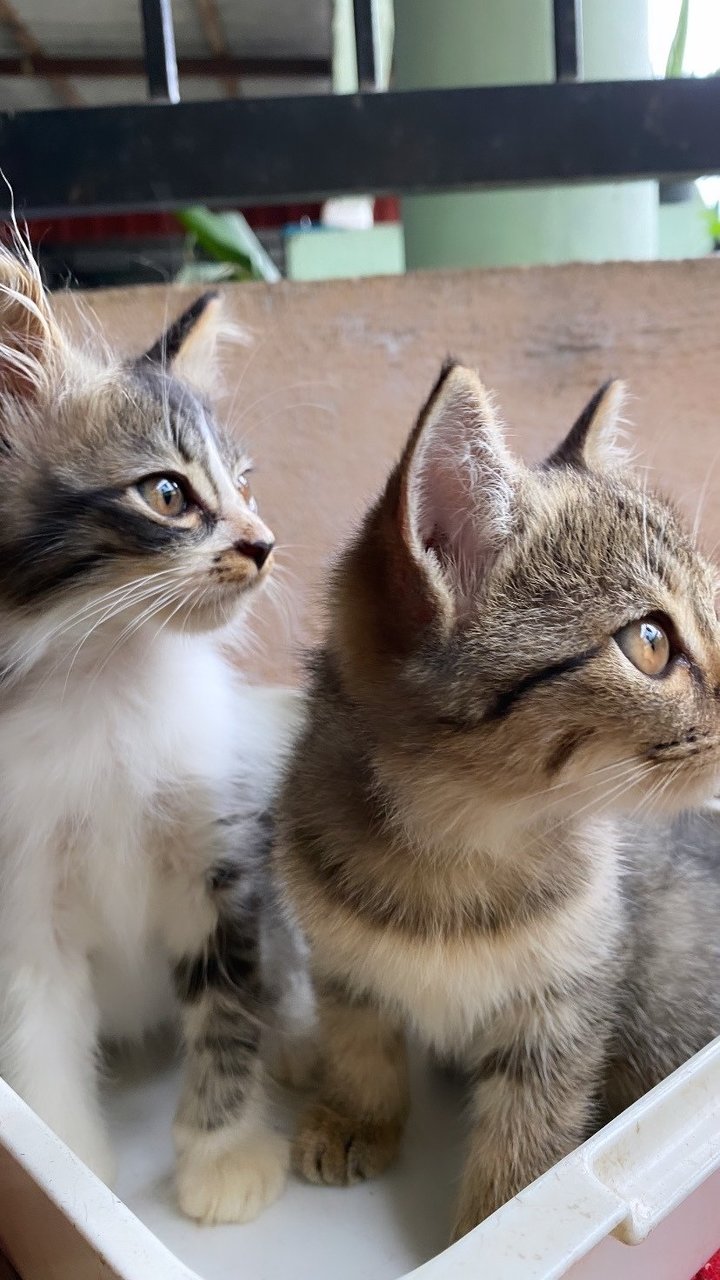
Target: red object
{"x":711,"y":1270}
{"x":144,"y":226}
{"x":387,"y":209}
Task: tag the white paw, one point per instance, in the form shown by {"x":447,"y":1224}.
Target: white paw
{"x":234,"y":1185}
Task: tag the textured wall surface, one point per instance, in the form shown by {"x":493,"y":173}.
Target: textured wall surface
{"x":337,"y":372}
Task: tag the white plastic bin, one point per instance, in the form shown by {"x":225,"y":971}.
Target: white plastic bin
{"x":641,"y":1199}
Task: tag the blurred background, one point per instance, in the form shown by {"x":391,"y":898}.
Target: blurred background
{"x":63,"y":58}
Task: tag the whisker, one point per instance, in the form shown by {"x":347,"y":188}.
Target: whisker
{"x":288,"y":408}
{"x":616,"y":790}
{"x":129,"y":596}
{"x":118,"y":607}
{"x":229,"y":409}
{"x":87,"y":610}
{"x":562,"y":786}
{"x":166,"y":597}
{"x":275,"y":391}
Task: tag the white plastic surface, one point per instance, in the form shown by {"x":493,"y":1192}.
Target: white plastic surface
{"x":656,"y":1170}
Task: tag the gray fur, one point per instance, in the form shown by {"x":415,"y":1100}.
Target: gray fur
{"x":472,"y":829}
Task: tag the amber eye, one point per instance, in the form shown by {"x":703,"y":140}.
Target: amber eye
{"x":164,"y":495}
{"x":646,"y":645}
{"x":246,"y":492}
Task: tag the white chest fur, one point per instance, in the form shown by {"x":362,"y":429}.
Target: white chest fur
{"x":95,"y":767}
{"x":446,"y":991}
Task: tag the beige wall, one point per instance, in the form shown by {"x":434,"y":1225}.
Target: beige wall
{"x":339,"y":370}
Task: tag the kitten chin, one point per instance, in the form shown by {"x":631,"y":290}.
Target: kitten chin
{"x":225,"y":610}
{"x":520,"y":674}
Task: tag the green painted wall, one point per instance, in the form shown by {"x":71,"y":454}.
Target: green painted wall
{"x":683,"y":229}
{"x":327,"y":254}
{"x":464,"y":42}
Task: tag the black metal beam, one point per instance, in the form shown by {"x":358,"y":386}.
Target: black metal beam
{"x":364,"y":19}
{"x":263,"y":150}
{"x":567,"y":18}
{"x":210,"y":67}
{"x":160,"y":59}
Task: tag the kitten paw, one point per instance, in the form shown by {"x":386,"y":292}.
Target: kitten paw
{"x":339,"y":1150}
{"x":234,"y":1185}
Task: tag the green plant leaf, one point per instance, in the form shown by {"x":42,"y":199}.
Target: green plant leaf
{"x":676,"y":56}
{"x":712,"y":219}
{"x":227,"y":237}
{"x":209,"y":273}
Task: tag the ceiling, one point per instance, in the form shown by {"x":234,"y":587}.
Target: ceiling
{"x":291,"y":38}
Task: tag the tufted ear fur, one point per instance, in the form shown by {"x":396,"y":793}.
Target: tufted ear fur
{"x":189,"y":345}
{"x":30,"y":341}
{"x":445,"y":513}
{"x":458,"y":480}
{"x":595,"y":440}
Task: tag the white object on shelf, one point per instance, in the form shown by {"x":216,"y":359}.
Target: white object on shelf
{"x":641,"y":1199}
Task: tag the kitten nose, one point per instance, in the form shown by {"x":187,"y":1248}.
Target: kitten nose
{"x":258,"y":552}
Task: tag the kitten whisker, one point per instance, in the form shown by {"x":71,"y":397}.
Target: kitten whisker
{"x":301,"y":404}
{"x":703,"y":495}
{"x":229,"y":409}
{"x":562,"y":786}
{"x":275,"y":391}
{"x":618,"y":787}
{"x":166,"y":597}
{"x":658,"y":791}
{"x":128,"y":590}
{"x":127,"y":601}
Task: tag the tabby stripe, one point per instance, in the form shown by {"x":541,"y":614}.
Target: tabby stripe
{"x":220,"y":1098}
{"x":565,"y":748}
{"x":505,"y":702}
{"x":228,"y":964}
{"x":426,"y":921}
{"x":520,"y":1064}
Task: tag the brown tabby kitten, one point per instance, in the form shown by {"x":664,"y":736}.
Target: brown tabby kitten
{"x":513,"y":656}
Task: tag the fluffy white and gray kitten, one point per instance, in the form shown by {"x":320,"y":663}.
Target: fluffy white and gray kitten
{"x":136,"y":771}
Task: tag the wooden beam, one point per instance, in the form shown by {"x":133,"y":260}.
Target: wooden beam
{"x":27,"y":43}
{"x":212,"y":25}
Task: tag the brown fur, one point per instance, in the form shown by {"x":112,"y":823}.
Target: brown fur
{"x":448,"y":829}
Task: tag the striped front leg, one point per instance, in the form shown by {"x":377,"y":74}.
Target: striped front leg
{"x":537,"y":1079}
{"x":230,"y":1163}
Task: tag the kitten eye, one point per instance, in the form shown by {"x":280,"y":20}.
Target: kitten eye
{"x":646,"y":645}
{"x":246,"y":492}
{"x":164,"y":495}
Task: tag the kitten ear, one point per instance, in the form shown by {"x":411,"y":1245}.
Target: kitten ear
{"x":189,"y":345}
{"x":29,"y":336}
{"x":458,"y":478}
{"x":595,"y":440}
{"x":445,"y":513}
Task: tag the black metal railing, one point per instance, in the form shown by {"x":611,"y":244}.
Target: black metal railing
{"x":167,"y":154}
